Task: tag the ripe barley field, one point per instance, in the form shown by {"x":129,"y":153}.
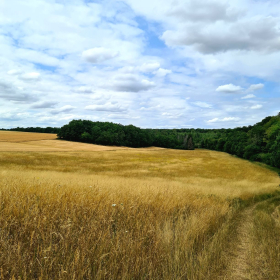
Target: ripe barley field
{"x":79,"y":211}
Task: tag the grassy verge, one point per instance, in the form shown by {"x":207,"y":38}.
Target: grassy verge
{"x":266,"y":237}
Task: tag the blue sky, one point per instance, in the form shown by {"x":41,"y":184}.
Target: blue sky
{"x":156,"y":64}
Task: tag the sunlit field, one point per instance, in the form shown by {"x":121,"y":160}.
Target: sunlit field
{"x":15,"y":136}
{"x":28,"y":142}
{"x":79,"y":211}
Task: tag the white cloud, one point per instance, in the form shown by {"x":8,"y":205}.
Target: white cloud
{"x":44,"y":104}
{"x":248,"y":96}
{"x":36,"y":56}
{"x":9,"y":92}
{"x":161,"y":72}
{"x":149,"y":67}
{"x":172,"y":115}
{"x":255,"y":87}
{"x":84,"y":89}
{"x":255,"y":107}
{"x":227,"y":119}
{"x":98,"y":55}
{"x":202,"y":104}
{"x":258,"y":34}
{"x":108,"y":107}
{"x":202,"y":11}
{"x":63,"y":109}
{"x":230,"y":88}
{"x":131,"y":83}
{"x":118,"y":116}
{"x":14,"y":72}
{"x":13,"y":115}
{"x":115,"y":55}
{"x":30,"y":76}
{"x":213,"y":120}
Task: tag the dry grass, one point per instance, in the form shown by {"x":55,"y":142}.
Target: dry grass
{"x":120,"y":214}
{"x":203,"y":172}
{"x":16,"y":136}
{"x":44,"y":142}
{"x":265,"y":257}
{"x":54,"y":146}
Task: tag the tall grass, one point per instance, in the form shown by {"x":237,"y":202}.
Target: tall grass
{"x":52,"y":231}
{"x":265,"y":261}
{"x":135,"y":214}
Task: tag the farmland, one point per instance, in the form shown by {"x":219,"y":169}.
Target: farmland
{"x":79,"y":211}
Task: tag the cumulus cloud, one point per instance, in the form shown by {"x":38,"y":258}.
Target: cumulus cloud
{"x":30,"y":76}
{"x":248,"y":96}
{"x":64,"y":109}
{"x":131,"y":83}
{"x":14,"y":72}
{"x":84,"y":89}
{"x":149,"y":67}
{"x":97,"y":52}
{"x":185,"y":10}
{"x":255,"y":87}
{"x":44,"y":104}
{"x":255,"y":107}
{"x":258,"y":34}
{"x":12,"y":93}
{"x":108,"y":107}
{"x":10,"y":116}
{"x":227,"y":119}
{"x":230,"y":88}
{"x":98,"y":55}
{"x":161,"y":72}
{"x":203,"y":11}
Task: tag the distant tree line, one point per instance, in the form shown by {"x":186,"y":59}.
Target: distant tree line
{"x":260,"y":142}
{"x":107,"y":133}
{"x":53,"y":130}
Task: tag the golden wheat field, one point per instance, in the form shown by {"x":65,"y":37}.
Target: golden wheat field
{"x":79,"y":211}
{"x":15,"y":136}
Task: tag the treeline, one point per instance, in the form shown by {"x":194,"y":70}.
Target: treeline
{"x":260,"y":142}
{"x":107,"y":133}
{"x":54,"y":130}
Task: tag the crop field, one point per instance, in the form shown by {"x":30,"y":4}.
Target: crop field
{"x":29,"y":141}
{"x":17,"y":137}
{"x":79,"y":211}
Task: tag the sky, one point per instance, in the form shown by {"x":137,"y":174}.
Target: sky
{"x":150,"y":63}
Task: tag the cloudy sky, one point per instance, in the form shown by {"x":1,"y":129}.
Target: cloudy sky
{"x":150,"y":63}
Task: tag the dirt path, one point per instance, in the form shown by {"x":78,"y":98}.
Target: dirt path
{"x":239,"y":254}
{"x":239,"y":267}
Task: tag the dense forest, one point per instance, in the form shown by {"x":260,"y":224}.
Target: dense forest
{"x":106,"y":133}
{"x":260,"y":142}
{"x":48,"y":129}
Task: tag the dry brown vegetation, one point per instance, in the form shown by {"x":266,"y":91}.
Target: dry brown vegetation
{"x":45,"y":142}
{"x":15,"y":136}
{"x":121,"y":213}
{"x":265,"y":233}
